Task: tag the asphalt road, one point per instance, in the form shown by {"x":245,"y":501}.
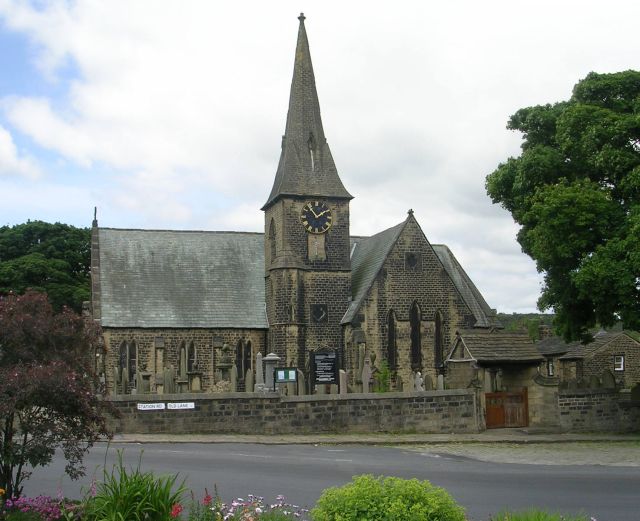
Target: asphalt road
{"x":301,"y":472}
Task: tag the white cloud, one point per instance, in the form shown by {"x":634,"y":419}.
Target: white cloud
{"x":178,"y":109}
{"x":12,"y":162}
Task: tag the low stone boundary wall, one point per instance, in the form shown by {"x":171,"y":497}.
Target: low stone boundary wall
{"x":598,"y":410}
{"x":252,"y":413}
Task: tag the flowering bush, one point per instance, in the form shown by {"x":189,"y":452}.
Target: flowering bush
{"x":44,"y":508}
{"x":251,"y":509}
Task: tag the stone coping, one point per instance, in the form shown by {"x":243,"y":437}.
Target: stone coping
{"x":274,"y":395}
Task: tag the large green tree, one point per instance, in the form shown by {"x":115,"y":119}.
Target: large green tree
{"x":575,"y":192}
{"x":54,"y":258}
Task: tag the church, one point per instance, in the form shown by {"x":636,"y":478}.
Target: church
{"x":190,"y":311}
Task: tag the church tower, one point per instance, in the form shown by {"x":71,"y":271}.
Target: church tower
{"x":307,"y":265}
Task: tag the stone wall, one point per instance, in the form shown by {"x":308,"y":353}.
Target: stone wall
{"x":589,"y":410}
{"x":244,"y":413}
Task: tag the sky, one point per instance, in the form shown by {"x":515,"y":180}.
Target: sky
{"x":169,"y":115}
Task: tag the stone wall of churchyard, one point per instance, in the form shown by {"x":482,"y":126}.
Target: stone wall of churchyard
{"x":599,"y":410}
{"x":252,"y":413}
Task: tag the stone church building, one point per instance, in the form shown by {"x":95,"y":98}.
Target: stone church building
{"x":188,"y":311}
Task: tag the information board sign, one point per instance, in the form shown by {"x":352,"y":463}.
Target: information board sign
{"x":286,"y":374}
{"x":325,"y":367}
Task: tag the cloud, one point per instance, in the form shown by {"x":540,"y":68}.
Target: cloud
{"x":172,"y":116}
{"x":12,"y":162}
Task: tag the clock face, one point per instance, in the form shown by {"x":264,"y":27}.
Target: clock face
{"x":316,"y":217}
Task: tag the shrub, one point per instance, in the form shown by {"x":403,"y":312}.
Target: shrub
{"x":385,"y":498}
{"x":133,"y":495}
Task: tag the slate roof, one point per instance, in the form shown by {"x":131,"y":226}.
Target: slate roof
{"x":484,"y":315}
{"x":577,"y":351}
{"x":499,"y":346}
{"x":182,"y":279}
{"x":368,"y":256}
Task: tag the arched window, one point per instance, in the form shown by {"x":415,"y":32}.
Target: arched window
{"x":272,"y":240}
{"x":392,"y":350}
{"x":128,"y":359}
{"x":416,"y":344}
{"x":191,"y":357}
{"x":246,"y":358}
{"x":439,"y":341}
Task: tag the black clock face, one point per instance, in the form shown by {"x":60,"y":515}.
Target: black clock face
{"x":316,"y":217}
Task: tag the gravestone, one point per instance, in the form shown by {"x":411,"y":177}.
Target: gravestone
{"x":234,"y":378}
{"x":248,"y":381}
{"x":418,"y":381}
{"x":343,"y":382}
{"x":608,"y":380}
{"x":270,"y":363}
{"x":366,"y":375}
{"x":440,"y":384}
{"x":302,"y":387}
{"x":428,"y":383}
{"x":259,"y":386}
{"x":594,"y":382}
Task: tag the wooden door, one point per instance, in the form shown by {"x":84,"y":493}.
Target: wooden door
{"x":507,"y":409}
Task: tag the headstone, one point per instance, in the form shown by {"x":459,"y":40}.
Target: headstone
{"x":418,"y":382}
{"x":343,"y":382}
{"x":259,"y":386}
{"x":302,"y":386}
{"x":248,"y":381}
{"x":440,"y":384}
{"x":292,"y":388}
{"x":399,"y":384}
{"x":428,"y":383}
{"x":333,"y":389}
{"x":608,"y":380}
{"x":183,"y":363}
{"x":234,"y":378}
{"x":366,"y":375}
{"x":270,"y":363}
{"x":594,"y":382}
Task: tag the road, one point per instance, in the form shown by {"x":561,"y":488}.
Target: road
{"x":301,"y":472}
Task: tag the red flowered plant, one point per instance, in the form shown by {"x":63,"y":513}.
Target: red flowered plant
{"x":176,"y":510}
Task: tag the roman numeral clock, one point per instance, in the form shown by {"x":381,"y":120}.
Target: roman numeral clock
{"x":316,"y":217}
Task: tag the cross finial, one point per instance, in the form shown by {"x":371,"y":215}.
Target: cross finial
{"x":302,"y":17}
{"x":410,"y":212}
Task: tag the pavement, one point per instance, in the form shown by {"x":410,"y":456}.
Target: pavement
{"x":491,"y":436}
{"x":518,"y":446}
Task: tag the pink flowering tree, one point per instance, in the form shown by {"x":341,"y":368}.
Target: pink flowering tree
{"x":49,"y":395}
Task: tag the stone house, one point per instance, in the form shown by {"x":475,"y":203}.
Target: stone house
{"x":612,"y":357}
{"x":188,"y":311}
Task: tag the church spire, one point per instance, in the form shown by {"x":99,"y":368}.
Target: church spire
{"x":306,"y":167}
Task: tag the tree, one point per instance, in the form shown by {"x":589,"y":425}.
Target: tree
{"x":54,"y":258}
{"x":48,"y":388}
{"x":575,"y":192}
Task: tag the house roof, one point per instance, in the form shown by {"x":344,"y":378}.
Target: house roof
{"x":491,"y":346}
{"x":577,"y":351}
{"x":306,"y":167}
{"x":182,"y":279}
{"x":368,"y":254}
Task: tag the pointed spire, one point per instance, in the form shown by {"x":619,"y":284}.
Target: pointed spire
{"x":306,"y":167}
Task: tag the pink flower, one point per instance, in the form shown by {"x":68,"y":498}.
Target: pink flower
{"x":175,"y":510}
